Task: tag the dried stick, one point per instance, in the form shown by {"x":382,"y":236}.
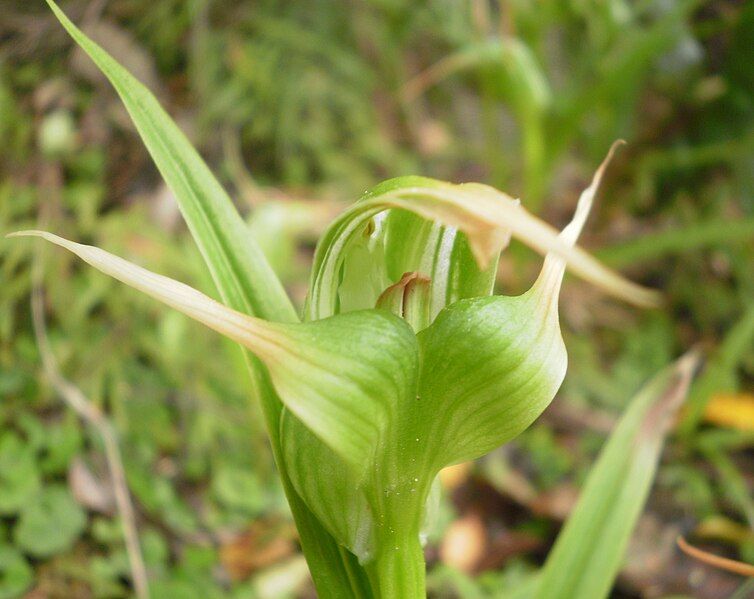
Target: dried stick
{"x":723,"y":563}
{"x":89,"y":412}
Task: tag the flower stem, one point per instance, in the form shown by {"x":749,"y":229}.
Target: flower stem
{"x":399,"y":570}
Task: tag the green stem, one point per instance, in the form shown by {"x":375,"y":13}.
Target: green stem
{"x":399,"y":569}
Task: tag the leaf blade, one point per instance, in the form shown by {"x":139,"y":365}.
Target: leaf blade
{"x":240,"y":270}
{"x":217,"y":233}
{"x":588,"y":552}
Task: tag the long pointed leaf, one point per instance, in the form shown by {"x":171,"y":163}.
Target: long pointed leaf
{"x":589,"y":550}
{"x":243,"y":278}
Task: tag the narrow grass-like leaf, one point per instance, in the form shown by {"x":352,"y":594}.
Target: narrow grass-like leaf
{"x":330,"y":486}
{"x":720,"y":372}
{"x":588,"y":552}
{"x":510,"y":73}
{"x":242,"y":276}
{"x":681,"y":239}
{"x":522,"y":81}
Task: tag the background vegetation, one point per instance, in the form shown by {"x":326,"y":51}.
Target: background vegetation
{"x":299,"y":106}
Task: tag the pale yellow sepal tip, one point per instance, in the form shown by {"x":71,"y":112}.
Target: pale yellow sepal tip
{"x":259,"y":336}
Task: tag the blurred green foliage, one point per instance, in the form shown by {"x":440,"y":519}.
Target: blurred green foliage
{"x":311,"y":98}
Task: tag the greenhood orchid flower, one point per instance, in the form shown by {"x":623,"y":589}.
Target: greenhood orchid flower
{"x":392,"y":377}
{"x":403,"y":361}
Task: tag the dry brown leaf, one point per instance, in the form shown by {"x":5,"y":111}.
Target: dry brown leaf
{"x":89,"y":489}
{"x":260,"y":546}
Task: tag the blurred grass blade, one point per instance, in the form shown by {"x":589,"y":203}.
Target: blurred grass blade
{"x":512,"y":74}
{"x":522,"y":81}
{"x":716,"y":446}
{"x":589,"y":550}
{"x":239,"y":268}
{"x":651,"y":246}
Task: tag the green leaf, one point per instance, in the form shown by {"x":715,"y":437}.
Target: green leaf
{"x":158,"y":497}
{"x":62,"y":442}
{"x":239,"y":489}
{"x":16,"y":575}
{"x":238,"y":266}
{"x":19,"y":474}
{"x":720,"y":373}
{"x":50,"y":523}
{"x":518,"y":77}
{"x":588,"y":552}
{"x":330,"y":486}
{"x":242,"y":275}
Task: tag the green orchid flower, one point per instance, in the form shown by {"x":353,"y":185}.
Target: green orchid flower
{"x":404,"y":361}
{"x":385,"y":386}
